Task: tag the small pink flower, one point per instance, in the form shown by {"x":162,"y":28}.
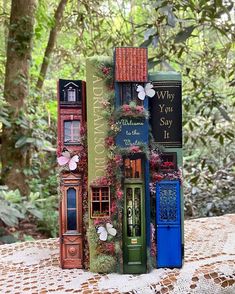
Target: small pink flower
{"x":168,"y":164}
{"x":113,"y":207}
{"x":106,"y":70}
{"x":118,"y":159}
{"x":109,"y":141}
{"x":96,"y":222}
{"x":139,"y":109}
{"x":135,"y":149}
{"x":110,"y":247}
{"x":157,"y":177}
{"x":126,"y":108}
{"x":119,"y":194}
{"x":154,"y":159}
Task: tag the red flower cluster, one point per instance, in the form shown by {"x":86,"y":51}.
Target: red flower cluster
{"x":135,"y":149}
{"x":109,"y":141}
{"x":154,"y":159}
{"x":106,"y":70}
{"x":113,"y":207}
{"x":126,"y":108}
{"x":110,"y":248}
{"x":101,"y":221}
{"x":102,"y":181}
{"x":176,"y":175}
{"x":96,"y":222}
{"x":157,"y":177}
{"x":119,"y":194}
{"x":167,"y":164}
{"x":139,"y":109}
{"x":118,"y":159}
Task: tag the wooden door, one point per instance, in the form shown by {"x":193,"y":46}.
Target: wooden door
{"x":134,"y":243}
{"x":71,"y":227}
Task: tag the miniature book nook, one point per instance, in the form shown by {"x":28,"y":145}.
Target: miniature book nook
{"x":120,"y":166}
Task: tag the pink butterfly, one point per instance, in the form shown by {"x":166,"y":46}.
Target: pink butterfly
{"x":66,"y":158}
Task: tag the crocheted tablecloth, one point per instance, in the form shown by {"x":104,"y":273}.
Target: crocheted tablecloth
{"x":209,"y":267}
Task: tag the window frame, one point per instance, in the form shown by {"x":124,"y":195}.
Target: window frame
{"x":74,"y":96}
{"x":135,"y":170}
{"x":69,"y":117}
{"x":133,"y":93}
{"x":65,"y":96}
{"x":72,"y":128}
{"x":71,"y":209}
{"x":100,"y":202}
{"x":174,"y":160}
{"x":142,"y":157}
{"x":79,"y":213}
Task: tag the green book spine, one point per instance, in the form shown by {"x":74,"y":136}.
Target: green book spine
{"x":97,"y":127}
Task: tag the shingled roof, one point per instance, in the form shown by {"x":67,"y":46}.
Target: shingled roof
{"x":131,"y":64}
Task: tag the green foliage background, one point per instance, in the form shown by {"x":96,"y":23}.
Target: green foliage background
{"x":193,"y":37}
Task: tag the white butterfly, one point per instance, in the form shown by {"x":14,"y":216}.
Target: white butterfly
{"x":145,"y":91}
{"x":66,"y":158}
{"x":104,"y":231}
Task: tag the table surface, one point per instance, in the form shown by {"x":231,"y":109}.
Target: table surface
{"x":209,"y":266}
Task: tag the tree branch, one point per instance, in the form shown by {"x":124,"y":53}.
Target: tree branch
{"x":51,"y":43}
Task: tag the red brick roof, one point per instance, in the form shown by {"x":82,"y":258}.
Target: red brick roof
{"x":131,"y":64}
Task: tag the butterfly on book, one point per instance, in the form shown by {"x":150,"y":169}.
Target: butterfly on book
{"x":104,"y":231}
{"x":145,"y":91}
{"x":67,"y":159}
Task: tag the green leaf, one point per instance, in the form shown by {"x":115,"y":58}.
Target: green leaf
{"x":211,"y":169}
{"x":195,"y":179}
{"x":48,"y":146}
{"x":221,"y":139}
{"x":5,"y":122}
{"x":153,"y":63}
{"x":10,"y":215}
{"x":184,"y":35}
{"x":21,"y":142}
{"x":203,"y":163}
{"x":224,"y":113}
{"x":8,"y":239}
{"x":147,"y":42}
{"x":35,"y":212}
{"x":171,"y":19}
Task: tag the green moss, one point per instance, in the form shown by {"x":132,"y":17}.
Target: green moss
{"x":92,"y":236}
{"x":103,"y":264}
{"x":117,"y":247}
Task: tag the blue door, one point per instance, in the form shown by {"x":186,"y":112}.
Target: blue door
{"x":168,"y":221}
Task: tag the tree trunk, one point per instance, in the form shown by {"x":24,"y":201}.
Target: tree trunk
{"x":16,"y":89}
{"x":51,"y":43}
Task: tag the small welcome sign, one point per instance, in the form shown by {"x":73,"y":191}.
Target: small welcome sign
{"x":132,"y":131}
